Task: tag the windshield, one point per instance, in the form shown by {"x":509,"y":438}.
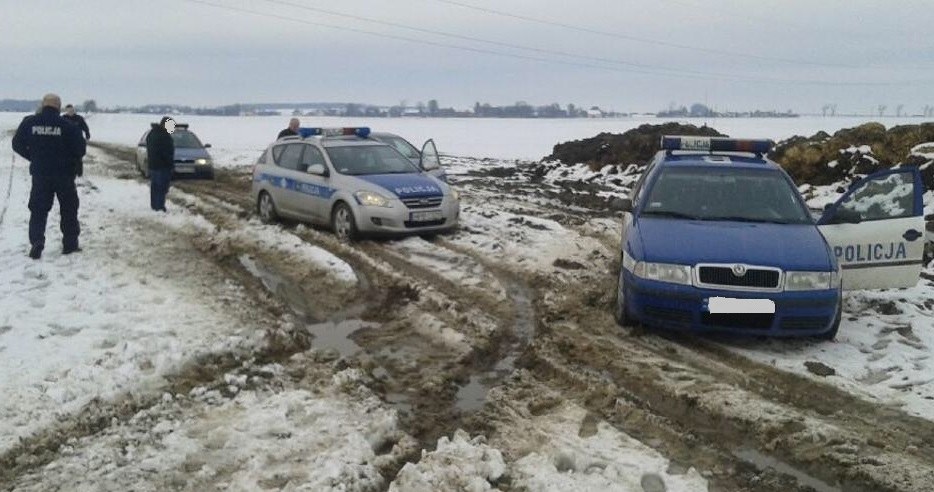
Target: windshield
{"x":402,"y":145}
{"x":186,"y":140}
{"x":369,"y":159}
{"x":746,"y":195}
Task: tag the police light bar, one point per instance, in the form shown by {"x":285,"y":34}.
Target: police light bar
{"x":360,"y":131}
{"x":716,"y":144}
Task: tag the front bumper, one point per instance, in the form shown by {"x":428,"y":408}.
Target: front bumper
{"x":189,"y":170}
{"x":682,"y":308}
{"x":398,"y":219}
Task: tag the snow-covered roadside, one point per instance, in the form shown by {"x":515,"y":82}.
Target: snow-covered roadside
{"x":115,"y":318}
{"x":136,"y":305}
{"x":331,"y":436}
{"x":563,"y":450}
{"x":884,"y":351}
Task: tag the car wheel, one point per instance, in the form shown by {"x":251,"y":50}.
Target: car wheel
{"x":621,"y":313}
{"x":343,"y":223}
{"x":266,"y":208}
{"x":832,"y":333}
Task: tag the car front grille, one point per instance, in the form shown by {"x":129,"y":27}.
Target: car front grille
{"x":424,"y":202}
{"x":757,"y":278}
{"x":804,"y":322}
{"x":432,"y":223}
{"x":751,"y":321}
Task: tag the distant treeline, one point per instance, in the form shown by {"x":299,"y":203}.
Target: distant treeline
{"x":698,"y":110}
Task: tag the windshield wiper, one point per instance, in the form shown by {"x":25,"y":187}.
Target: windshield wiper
{"x":750,"y":219}
{"x":671,"y":213}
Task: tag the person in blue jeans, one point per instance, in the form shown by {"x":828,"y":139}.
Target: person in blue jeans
{"x":160,"y":150}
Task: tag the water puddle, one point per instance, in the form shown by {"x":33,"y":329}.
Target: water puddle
{"x":333,"y":334}
{"x":762,"y":462}
{"x":471,"y":396}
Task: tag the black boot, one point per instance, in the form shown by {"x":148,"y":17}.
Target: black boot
{"x":35,"y":252}
{"x":67,"y":250}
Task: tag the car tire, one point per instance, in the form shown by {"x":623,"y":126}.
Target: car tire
{"x":343,"y":223}
{"x":621,"y":308}
{"x":266,"y":208}
{"x":835,"y":327}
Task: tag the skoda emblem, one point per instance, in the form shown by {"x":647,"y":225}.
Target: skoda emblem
{"x":424,"y":201}
{"x":739,"y":270}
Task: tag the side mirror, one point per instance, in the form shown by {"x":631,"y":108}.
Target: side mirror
{"x":207,"y":146}
{"x":621,"y":205}
{"x":318,"y":170}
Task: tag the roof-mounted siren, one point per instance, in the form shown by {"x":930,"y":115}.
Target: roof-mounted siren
{"x":359,"y":131}
{"x":758,"y":146}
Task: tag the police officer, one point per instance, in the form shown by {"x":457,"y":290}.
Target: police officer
{"x":78,"y":120}
{"x":52,"y":146}
{"x":292,"y":130}
{"x":160,"y":150}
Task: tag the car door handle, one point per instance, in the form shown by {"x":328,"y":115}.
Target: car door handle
{"x":911,"y":235}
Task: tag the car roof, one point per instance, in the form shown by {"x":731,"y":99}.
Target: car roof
{"x":732,"y":160}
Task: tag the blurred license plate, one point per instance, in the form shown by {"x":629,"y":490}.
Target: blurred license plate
{"x":189,"y":168}
{"x":729,"y":305}
{"x":429,"y":216}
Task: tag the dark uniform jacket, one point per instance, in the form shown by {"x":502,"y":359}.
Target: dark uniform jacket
{"x":160,"y":149}
{"x":288,"y":132}
{"x":50,"y":143}
{"x":82,"y":125}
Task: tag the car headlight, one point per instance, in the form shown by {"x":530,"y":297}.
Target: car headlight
{"x":455,"y":195}
{"x":811,"y":280}
{"x":202,"y":162}
{"x":371,"y":199}
{"x":663,"y":272}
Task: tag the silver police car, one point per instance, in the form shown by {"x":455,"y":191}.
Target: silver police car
{"x":340,"y":178}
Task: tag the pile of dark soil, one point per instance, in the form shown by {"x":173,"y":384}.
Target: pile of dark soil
{"x":633,"y":147}
{"x":820,"y":159}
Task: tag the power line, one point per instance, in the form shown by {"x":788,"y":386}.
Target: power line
{"x":644,"y":71}
{"x":676,"y":71}
{"x":638,"y":39}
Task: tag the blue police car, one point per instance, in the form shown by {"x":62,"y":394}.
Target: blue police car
{"x":715,"y":237}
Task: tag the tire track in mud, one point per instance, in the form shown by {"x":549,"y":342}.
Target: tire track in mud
{"x":430,"y":395}
{"x":866,"y":443}
{"x":695,"y":402}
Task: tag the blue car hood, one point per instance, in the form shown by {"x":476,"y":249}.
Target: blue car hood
{"x":190,"y":153}
{"x":405,"y":185}
{"x":787,"y":246}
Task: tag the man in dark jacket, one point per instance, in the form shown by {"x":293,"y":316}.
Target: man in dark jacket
{"x":52,"y":146}
{"x":160,"y":151}
{"x":82,"y":125}
{"x":292,"y":130}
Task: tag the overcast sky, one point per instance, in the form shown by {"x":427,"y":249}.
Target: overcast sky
{"x":625,"y":55}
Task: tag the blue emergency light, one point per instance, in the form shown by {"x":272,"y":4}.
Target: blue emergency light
{"x":716,"y":144}
{"x":360,"y":131}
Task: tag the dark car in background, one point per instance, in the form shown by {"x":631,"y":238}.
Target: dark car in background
{"x":191,"y":156}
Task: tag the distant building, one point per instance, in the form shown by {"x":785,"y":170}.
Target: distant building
{"x":594,"y":113}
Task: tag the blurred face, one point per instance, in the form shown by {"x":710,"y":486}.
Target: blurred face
{"x":170,"y":125}
{"x":293,"y":124}
{"x":70,"y":111}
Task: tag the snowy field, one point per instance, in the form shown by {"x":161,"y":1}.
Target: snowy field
{"x":239,"y":140}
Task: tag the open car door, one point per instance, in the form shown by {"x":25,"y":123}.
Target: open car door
{"x":430,"y":159}
{"x":876,"y":230}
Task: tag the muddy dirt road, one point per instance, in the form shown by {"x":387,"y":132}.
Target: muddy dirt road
{"x":498,"y":328}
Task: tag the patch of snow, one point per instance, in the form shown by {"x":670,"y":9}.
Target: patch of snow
{"x":459,"y":463}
